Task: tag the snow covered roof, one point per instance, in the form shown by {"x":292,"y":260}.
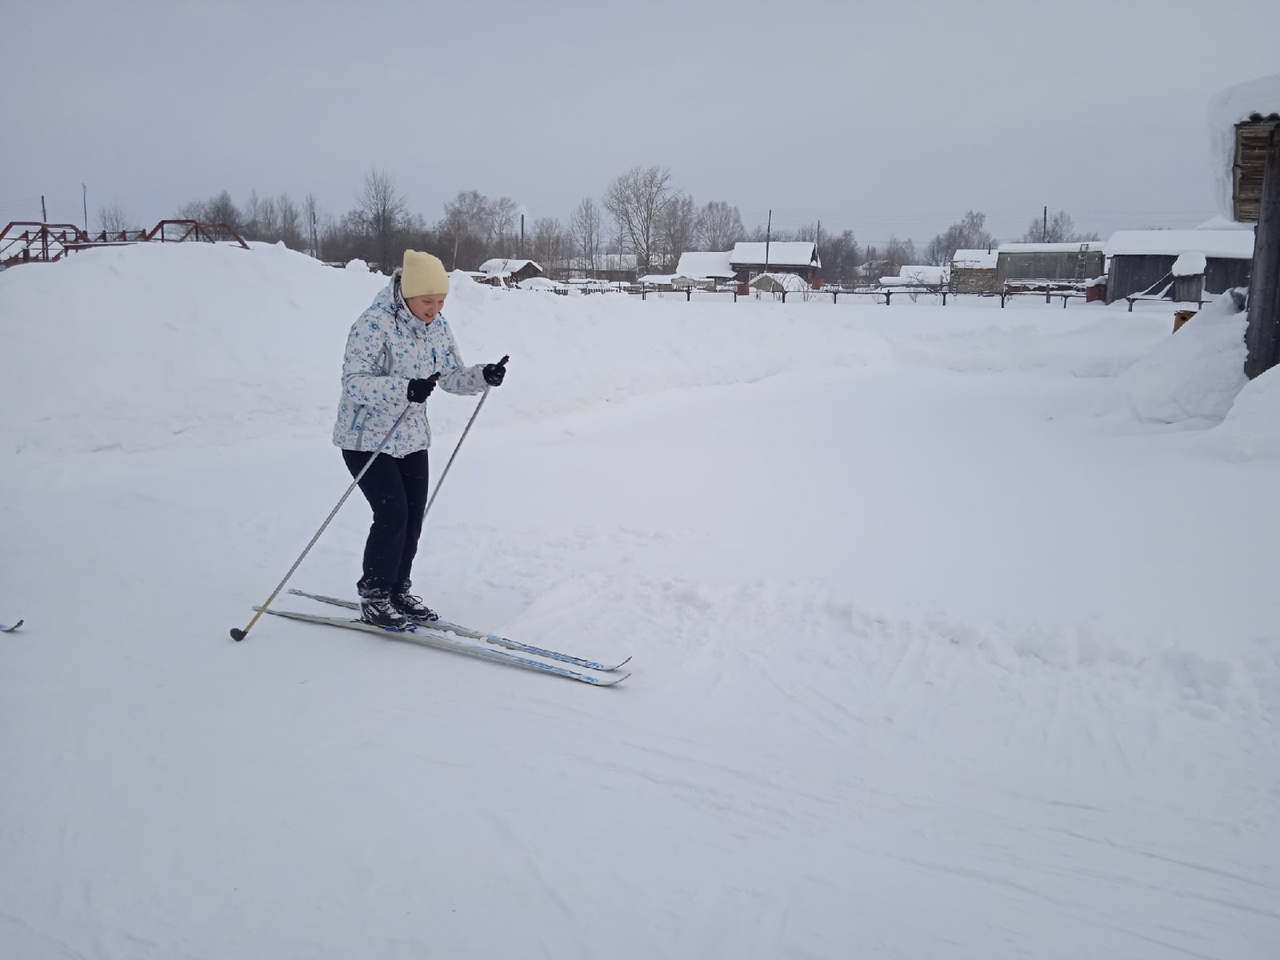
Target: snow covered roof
{"x":1072,"y":247}
{"x":975,"y":259}
{"x":501,"y":267}
{"x":1224,"y":244}
{"x":698,"y":264}
{"x":785,"y":253}
{"x":916,"y":275}
{"x":1189,"y":265}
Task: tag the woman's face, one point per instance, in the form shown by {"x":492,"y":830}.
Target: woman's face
{"x":425,"y":307}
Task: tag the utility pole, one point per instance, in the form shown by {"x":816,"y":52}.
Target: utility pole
{"x":768,"y":230}
{"x":522,"y":235}
{"x":816,"y":238}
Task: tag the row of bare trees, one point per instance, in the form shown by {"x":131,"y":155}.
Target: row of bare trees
{"x":642,"y":215}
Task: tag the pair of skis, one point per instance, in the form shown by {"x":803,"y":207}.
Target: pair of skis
{"x":468,"y":641}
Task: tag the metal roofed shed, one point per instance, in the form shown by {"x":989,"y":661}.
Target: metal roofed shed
{"x":1142,"y":262}
{"x":1045,"y":263}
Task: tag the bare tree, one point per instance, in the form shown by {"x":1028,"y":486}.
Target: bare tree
{"x":114,"y":220}
{"x":896,"y":255}
{"x":840,"y":258}
{"x":217,"y":209}
{"x":584,"y":226}
{"x":502,"y":216}
{"x":466,"y":221}
{"x":290,"y":222}
{"x":676,"y":228}
{"x":1056,"y":228}
{"x":719,"y":226}
{"x":636,"y":200}
{"x":550,"y":243}
{"x":969,"y":234}
{"x":311,"y":213}
{"x":381,"y":213}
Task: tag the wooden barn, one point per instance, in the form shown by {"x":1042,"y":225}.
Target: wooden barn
{"x":501,"y":271}
{"x":1057,"y":263}
{"x":974,"y":271}
{"x":1143,"y":261}
{"x":752,"y":258}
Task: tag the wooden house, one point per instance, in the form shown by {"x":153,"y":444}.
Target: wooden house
{"x":1033,"y":264}
{"x":1142,"y":262}
{"x":974,"y":271}
{"x":752,"y":258}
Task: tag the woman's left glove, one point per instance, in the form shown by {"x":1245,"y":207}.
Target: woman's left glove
{"x":495,"y":372}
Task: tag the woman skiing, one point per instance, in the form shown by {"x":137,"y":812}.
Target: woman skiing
{"x":397,"y":352}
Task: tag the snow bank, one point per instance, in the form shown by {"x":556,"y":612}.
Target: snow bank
{"x":1195,"y":374}
{"x":1251,"y":429}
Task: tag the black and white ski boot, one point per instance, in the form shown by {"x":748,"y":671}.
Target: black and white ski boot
{"x":412,"y":608}
{"x":378,"y":609}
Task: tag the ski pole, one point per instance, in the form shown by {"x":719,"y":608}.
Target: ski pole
{"x":237,"y":634}
{"x":465,"y":431}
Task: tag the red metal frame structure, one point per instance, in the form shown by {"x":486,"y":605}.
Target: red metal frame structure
{"x":32,"y":242}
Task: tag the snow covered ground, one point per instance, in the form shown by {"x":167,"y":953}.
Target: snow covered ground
{"x":955,"y":630}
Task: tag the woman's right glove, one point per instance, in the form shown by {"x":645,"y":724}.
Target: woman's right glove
{"x":419,"y":390}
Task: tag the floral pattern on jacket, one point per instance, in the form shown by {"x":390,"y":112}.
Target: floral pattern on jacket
{"x":386,"y":348}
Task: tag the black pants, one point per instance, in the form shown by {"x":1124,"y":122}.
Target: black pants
{"x":396,"y":488}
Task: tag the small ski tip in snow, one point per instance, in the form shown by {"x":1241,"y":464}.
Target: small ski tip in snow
{"x":4,"y":629}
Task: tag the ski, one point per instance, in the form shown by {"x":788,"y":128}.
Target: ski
{"x":4,"y":629}
{"x":417,"y":635}
{"x":472,"y":634}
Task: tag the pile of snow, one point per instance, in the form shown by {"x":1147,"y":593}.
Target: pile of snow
{"x":1195,"y":375}
{"x":1190,"y":264}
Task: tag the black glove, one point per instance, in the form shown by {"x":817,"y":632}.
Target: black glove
{"x":494,"y":372}
{"x":419,"y":390}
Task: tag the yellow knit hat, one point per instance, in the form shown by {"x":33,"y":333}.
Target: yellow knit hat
{"x":422,"y":274}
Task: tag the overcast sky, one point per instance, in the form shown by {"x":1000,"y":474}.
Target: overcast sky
{"x":885,"y":118}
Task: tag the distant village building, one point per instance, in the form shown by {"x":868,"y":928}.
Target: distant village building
{"x":917,"y":275}
{"x":749,"y":259}
{"x":613,"y":267}
{"x":504,"y":272}
{"x":706,"y":268}
{"x":1049,"y":263}
{"x":752,"y":258}
{"x":1142,"y":262}
{"x":973,"y":271}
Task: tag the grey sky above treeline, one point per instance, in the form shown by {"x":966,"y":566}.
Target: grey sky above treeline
{"x":887,"y":119}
